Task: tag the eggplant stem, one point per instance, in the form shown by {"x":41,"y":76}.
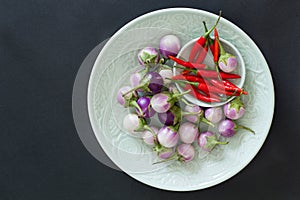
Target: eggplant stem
{"x":223,"y":143}
{"x":187,"y":103}
{"x":191,"y":113}
{"x":135,"y":88}
{"x":145,"y":71}
{"x":199,"y":118}
{"x":177,"y":126}
{"x":163,"y":60}
{"x":180,"y":94}
{"x":246,"y":128}
{"x":204,"y":120}
{"x":157,"y":147}
{"x":134,"y":104}
{"x":148,"y":128}
{"x":198,"y":121}
{"x":174,"y":157}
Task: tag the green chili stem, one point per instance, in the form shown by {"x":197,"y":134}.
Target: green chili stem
{"x":214,"y":26}
{"x":218,"y":72}
{"x":210,"y":40}
{"x":222,"y":51}
{"x":205,"y":27}
{"x":184,"y":68}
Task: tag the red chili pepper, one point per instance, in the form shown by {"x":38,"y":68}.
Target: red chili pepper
{"x":203,"y":53}
{"x":214,"y":74}
{"x":188,"y":64}
{"x":224,"y":85}
{"x":200,"y":96}
{"x":192,"y":78}
{"x":209,"y":89}
{"x":178,"y":77}
{"x":197,"y":46}
{"x":228,"y":83}
{"x":185,"y":72}
{"x":201,"y":41}
{"x":216,"y":52}
{"x":216,"y":46}
{"x":211,"y":73}
{"x":188,"y":78}
{"x":228,"y":86}
{"x":208,"y":93}
{"x":221,"y":85}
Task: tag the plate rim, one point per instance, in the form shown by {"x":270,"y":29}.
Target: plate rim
{"x":196,"y":11}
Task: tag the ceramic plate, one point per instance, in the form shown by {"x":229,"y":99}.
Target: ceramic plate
{"x":112,"y":70}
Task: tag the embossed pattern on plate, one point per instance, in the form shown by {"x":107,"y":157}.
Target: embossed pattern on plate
{"x":118,"y":58}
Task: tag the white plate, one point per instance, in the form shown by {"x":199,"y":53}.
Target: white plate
{"x":118,"y":59}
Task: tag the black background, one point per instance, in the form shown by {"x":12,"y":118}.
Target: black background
{"x":42,"y":44}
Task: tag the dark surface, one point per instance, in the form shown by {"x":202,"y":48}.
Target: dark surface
{"x":42,"y":44}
